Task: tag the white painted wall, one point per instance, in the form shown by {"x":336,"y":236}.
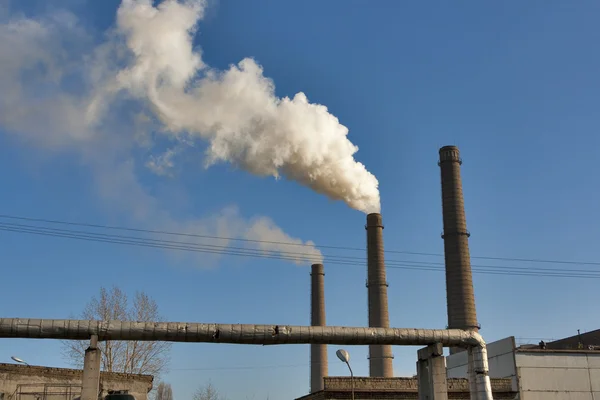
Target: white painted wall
{"x":559,"y":376}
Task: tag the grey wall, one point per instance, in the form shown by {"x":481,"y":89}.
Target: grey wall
{"x":65,"y":383}
{"x":557,"y":376}
{"x":501,"y":360}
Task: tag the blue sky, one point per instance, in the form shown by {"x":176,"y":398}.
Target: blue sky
{"x":514,"y":84}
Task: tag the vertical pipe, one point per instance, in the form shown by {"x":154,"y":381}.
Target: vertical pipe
{"x":318,"y":352}
{"x":480,"y":367}
{"x":459,"y":281}
{"x":471,"y":373}
{"x":380,"y":356}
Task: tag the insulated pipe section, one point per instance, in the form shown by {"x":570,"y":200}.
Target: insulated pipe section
{"x":257,"y":335}
{"x":318,"y":352}
{"x":479,"y":379}
{"x":459,"y":279}
{"x":72,"y":329}
{"x":380,"y":357}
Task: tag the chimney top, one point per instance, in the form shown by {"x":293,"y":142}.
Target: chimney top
{"x":317,"y":269}
{"x":449,"y":153}
{"x":449,"y":147}
{"x":374,"y":219}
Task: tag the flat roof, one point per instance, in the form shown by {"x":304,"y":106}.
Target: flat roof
{"x":538,"y":350}
{"x":40,"y":369}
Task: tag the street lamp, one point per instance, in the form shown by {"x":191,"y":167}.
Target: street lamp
{"x":345,"y":358}
{"x":16,"y":359}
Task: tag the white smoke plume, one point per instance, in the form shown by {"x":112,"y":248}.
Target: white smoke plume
{"x":236,"y":111}
{"x":57,"y":97}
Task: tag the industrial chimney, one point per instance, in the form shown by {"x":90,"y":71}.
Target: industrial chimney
{"x":318,"y":352}
{"x":459,"y":280}
{"x":380,"y":356}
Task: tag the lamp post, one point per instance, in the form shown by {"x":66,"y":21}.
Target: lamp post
{"x":17,"y":359}
{"x":345,"y":358}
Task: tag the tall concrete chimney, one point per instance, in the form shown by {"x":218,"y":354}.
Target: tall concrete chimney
{"x":459,"y":280}
{"x":318,"y":352}
{"x":380,"y":356}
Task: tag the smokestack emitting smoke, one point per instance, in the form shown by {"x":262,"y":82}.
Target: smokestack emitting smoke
{"x":235,"y":111}
{"x":459,"y":280}
{"x":318,"y":352}
{"x":380,"y":356}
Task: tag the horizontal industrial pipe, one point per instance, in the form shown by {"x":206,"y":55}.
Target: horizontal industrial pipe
{"x":257,"y":335}
{"x":230,"y":333}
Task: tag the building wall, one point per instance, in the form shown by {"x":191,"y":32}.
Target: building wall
{"x":501,"y":360}
{"x":548,"y":375}
{"x":539,"y":374}
{"x":340,"y":388}
{"x":63,"y":383}
{"x":400,"y":384}
{"x":370,"y":383}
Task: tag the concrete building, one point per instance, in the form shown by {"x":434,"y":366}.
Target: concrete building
{"x":563,"y":369}
{"x":338,"y":388}
{"x":23,"y":382}
{"x":539,"y":372}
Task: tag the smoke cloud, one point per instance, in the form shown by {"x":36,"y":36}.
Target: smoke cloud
{"x":58,"y":96}
{"x":61,"y":91}
{"x":236,"y":111}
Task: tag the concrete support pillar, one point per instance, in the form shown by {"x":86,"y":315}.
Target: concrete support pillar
{"x":431,"y":373}
{"x":90,"y":381}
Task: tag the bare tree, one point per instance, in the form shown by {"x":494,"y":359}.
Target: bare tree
{"x":208,"y":392}
{"x":164,"y":392}
{"x":132,"y":357}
